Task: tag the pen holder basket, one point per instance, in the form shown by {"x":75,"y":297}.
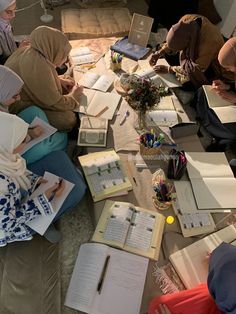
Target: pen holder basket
{"x":149,"y":152}
{"x":157,"y":178}
{"x":115,"y":66}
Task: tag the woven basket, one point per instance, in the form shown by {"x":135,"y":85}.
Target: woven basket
{"x":157,"y":177}
{"x":149,"y":151}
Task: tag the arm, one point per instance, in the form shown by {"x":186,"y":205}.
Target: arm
{"x":13,"y":211}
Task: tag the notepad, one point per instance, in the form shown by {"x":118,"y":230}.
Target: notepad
{"x":94,"y":103}
{"x":212,"y":180}
{"x":131,"y":228}
{"x":42,"y":222}
{"x":105,"y":174}
{"x":123,"y":281}
{"x":191,"y":263}
{"x":96,"y":81}
{"x":224,"y":110}
{"x":92,"y":132}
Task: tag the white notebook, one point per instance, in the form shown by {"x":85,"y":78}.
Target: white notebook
{"x":212,"y":180}
{"x":191,"y":263}
{"x":123,"y":281}
{"x":225,"y":111}
{"x":81,"y":55}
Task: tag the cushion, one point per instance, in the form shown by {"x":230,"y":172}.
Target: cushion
{"x":207,"y":9}
{"x":96,"y":22}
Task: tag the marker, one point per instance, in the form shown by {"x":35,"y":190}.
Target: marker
{"x":124,"y":117}
{"x":170,"y":220}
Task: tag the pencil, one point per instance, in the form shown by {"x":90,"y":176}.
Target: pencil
{"x":102,"y":111}
{"x":131,"y":172}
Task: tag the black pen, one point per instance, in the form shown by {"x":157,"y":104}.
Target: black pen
{"x":103,"y":274}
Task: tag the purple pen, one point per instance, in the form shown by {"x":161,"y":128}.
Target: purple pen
{"x":124,"y":117}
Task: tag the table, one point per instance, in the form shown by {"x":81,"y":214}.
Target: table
{"x":124,"y":140}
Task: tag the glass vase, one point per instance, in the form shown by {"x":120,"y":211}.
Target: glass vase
{"x":140,"y":122}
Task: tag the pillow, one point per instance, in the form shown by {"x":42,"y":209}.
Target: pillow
{"x":207,"y":9}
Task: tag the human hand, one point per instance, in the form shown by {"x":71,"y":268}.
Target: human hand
{"x":56,"y":190}
{"x":163,"y":309}
{"x":67,"y":84}
{"x":218,"y":85}
{"x":24,"y":43}
{"x":161,"y":69}
{"x":35,"y":132}
{"x":77,"y":91}
{"x":228,"y":96}
{"x":155,"y":57}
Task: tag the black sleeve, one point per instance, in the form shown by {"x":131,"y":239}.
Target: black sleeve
{"x":3,"y":59}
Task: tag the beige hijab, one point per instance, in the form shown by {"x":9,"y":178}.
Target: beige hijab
{"x":13,"y":131}
{"x":227,"y":54}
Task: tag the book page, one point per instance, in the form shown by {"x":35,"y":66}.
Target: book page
{"x":101,"y":101}
{"x":204,"y":164}
{"x":96,"y":138}
{"x":226,"y":114}
{"x":93,"y":123}
{"x":123,"y":285}
{"x":42,"y":222}
{"x":161,"y":118}
{"x":191,"y":263}
{"x":81,"y":55}
{"x":166,"y":103}
{"x":48,"y":130}
{"x":168,"y":78}
{"x":103,"y":83}
{"x":214,"y":192}
{"x":89,"y":79}
{"x":85,"y":277}
{"x":85,"y":100}
{"x":213,"y":99}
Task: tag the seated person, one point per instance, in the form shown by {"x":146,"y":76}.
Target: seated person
{"x":217,"y":297}
{"x":36,"y":65}
{"x":227,"y":131}
{"x":7,"y":41}
{"x":18,"y":183}
{"x":10,"y":88}
{"x":198,"y":42}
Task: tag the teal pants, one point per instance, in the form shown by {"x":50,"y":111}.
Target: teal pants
{"x":57,"y":141}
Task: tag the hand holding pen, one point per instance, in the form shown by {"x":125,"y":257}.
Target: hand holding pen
{"x":56,"y":190}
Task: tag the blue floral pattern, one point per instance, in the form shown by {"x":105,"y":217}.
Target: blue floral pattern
{"x":16,"y":210}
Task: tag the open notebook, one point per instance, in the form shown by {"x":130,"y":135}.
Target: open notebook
{"x":224,"y":110}
{"x":191,"y":263}
{"x":212,"y":180}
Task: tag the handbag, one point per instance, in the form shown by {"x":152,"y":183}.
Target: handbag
{"x":176,"y":165}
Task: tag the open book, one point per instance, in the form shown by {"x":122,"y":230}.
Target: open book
{"x":104,"y":174}
{"x":192,"y":221}
{"x":81,"y":55}
{"x":164,"y":113}
{"x":42,"y":222}
{"x":212,"y":180}
{"x":191,"y":263}
{"x":48,"y":130}
{"x":96,"y":81}
{"x":98,"y":104}
{"x":106,"y":280}
{"x":168,"y":79}
{"x":92,"y":132}
{"x":224,"y":110}
{"x":131,"y":228}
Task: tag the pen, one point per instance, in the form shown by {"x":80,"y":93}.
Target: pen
{"x":103,"y":274}
{"x":124,"y":117}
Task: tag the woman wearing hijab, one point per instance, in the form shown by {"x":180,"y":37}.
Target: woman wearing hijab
{"x":223,"y":133}
{"x":7,"y":41}
{"x":10,"y":88}
{"x":17,"y":183}
{"x":215,"y":297}
{"x":36,"y":65}
{"x":198,"y":42}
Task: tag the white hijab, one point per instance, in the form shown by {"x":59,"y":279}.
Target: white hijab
{"x":13,"y":131}
{"x":4,"y":4}
{"x":10,"y":83}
